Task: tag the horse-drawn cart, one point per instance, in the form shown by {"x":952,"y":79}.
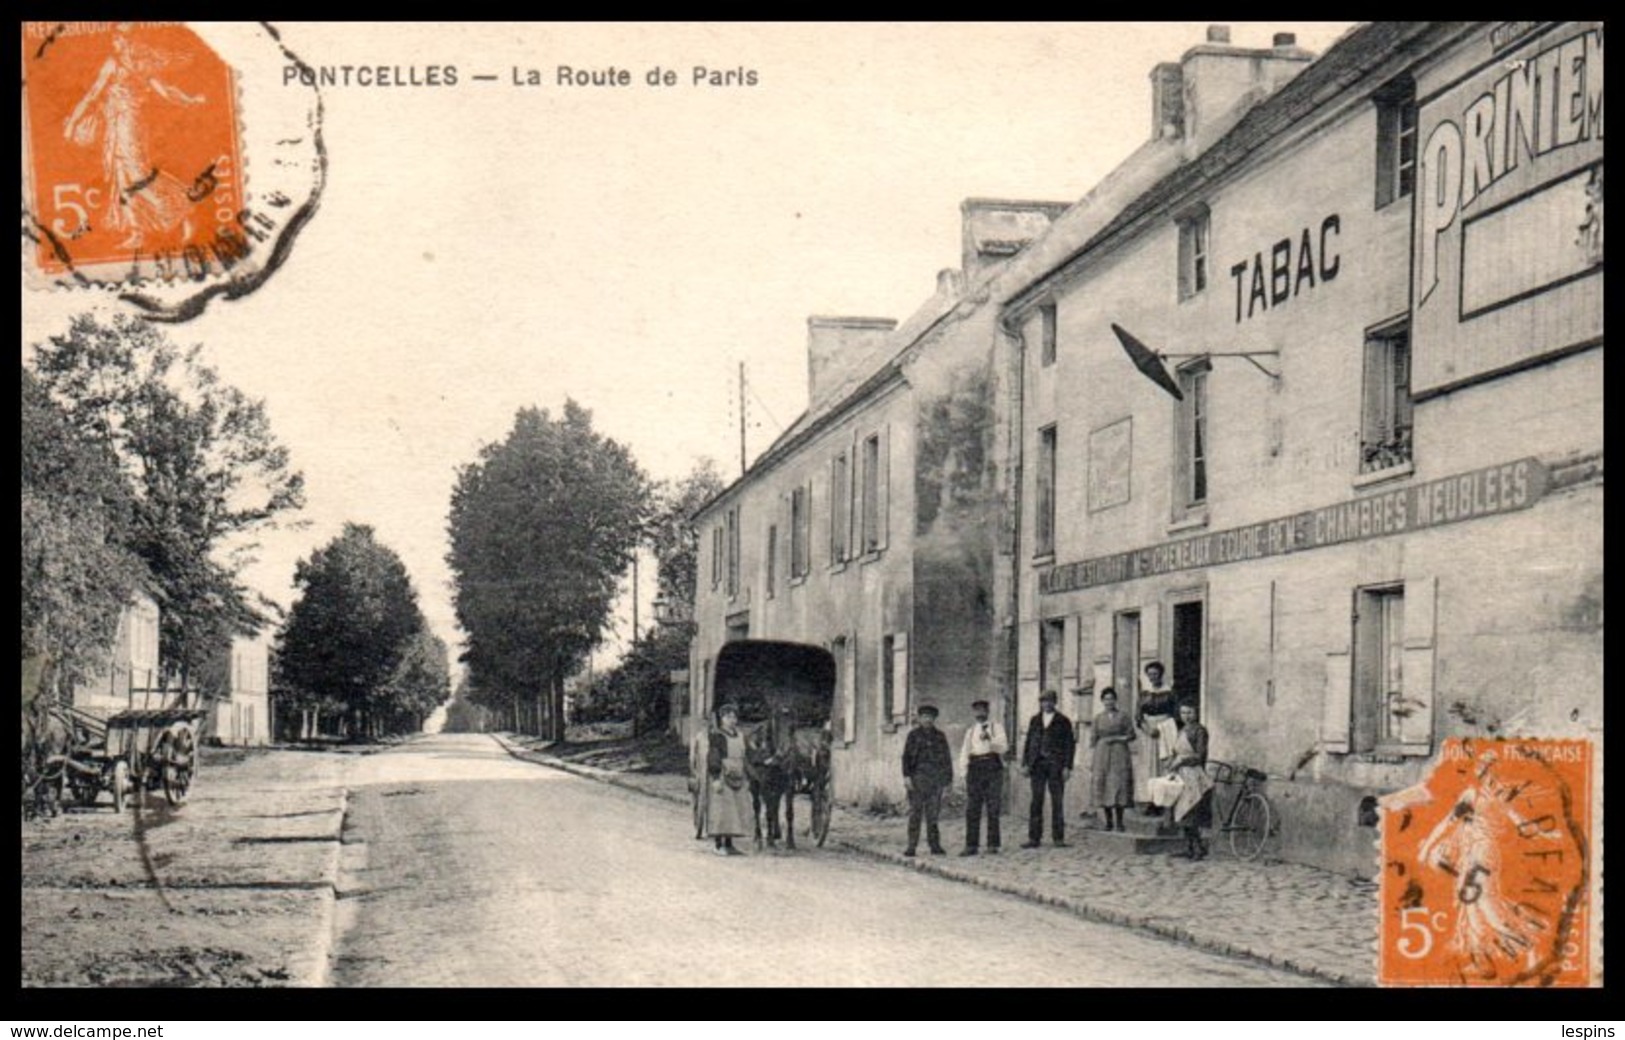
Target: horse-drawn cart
{"x":129,"y":754}
{"x":785,"y":695}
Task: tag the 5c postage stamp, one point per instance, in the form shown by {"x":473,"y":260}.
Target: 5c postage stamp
{"x":132,"y":147}
{"x":1487,"y":868}
{"x":137,"y":144}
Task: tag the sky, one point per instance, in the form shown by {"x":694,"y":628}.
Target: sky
{"x":491,"y":246}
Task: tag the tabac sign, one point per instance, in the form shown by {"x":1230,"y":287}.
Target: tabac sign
{"x":1490,"y":491}
{"x":1508,"y":208}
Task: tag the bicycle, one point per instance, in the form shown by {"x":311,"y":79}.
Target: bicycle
{"x":1251,"y":820}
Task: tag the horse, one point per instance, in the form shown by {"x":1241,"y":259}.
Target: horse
{"x":771,"y":781}
{"x":783,"y":760}
{"x":46,"y":741}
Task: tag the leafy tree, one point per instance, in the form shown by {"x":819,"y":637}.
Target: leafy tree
{"x":206,"y":469}
{"x":77,"y":574}
{"x":348,"y":632}
{"x":541,"y":526}
{"x":420,"y":683}
{"x":672,"y":534}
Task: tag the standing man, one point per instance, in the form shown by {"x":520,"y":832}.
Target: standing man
{"x":1047,"y":759}
{"x":928,"y":769}
{"x":981,"y":757}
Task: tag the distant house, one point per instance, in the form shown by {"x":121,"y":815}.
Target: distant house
{"x":131,"y":677}
{"x":243,"y":716}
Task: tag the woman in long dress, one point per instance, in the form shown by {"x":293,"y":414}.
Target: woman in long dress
{"x":1154,"y":717}
{"x":730,"y":815}
{"x":1194,"y":809}
{"x":1113,"y":769}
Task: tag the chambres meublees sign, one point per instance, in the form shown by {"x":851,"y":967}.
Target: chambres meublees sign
{"x":1503,"y":488}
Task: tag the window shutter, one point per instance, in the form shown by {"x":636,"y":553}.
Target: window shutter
{"x":854,"y":497}
{"x":883,"y":486}
{"x":899,"y":658}
{"x":1378,"y":392}
{"x":1186,"y":287}
{"x":1069,"y":652}
{"x":1336,"y":707}
{"x":1418,"y":664}
{"x":849,"y":690}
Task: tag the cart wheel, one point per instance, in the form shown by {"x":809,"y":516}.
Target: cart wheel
{"x":177,"y":767}
{"x":821,"y":805}
{"x":121,"y":784}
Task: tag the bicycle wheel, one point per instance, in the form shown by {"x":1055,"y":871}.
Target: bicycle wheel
{"x":1249,"y":826}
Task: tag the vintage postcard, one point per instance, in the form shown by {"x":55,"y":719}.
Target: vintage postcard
{"x":746,"y":504}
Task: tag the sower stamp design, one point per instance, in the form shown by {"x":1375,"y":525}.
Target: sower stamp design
{"x":137,"y":153}
{"x":133,"y":151}
{"x":1486,"y":868}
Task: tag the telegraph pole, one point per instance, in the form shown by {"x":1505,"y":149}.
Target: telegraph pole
{"x":741,"y":418}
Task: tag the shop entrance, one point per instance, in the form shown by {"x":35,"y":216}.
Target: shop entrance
{"x":1187,"y":647}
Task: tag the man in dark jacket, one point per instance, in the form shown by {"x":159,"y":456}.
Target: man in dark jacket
{"x":1047,"y":759}
{"x":928,"y":769}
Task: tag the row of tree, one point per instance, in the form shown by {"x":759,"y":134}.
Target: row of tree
{"x":355,"y":650}
{"x":142,"y":470}
{"x":543,"y":528}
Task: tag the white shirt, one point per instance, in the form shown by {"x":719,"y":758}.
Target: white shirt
{"x":982,"y":738}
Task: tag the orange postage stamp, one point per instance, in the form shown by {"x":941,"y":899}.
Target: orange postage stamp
{"x":131,"y":148}
{"x":1486,"y":868}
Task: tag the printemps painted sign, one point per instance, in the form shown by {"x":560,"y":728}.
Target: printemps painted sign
{"x":1498,"y":489}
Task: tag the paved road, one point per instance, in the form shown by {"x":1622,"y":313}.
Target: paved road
{"x":478,"y":869}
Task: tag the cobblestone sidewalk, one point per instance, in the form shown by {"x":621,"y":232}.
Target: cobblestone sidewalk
{"x":1294,"y":917}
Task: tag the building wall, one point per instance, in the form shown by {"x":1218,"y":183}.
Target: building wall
{"x":862,"y":600}
{"x":1503,"y":621}
{"x":132,"y":670}
{"x":243,"y":717}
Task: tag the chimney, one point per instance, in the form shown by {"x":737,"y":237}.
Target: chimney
{"x":994,"y":230}
{"x":1167,"y":101}
{"x":1213,"y":77}
{"x":836,"y":349}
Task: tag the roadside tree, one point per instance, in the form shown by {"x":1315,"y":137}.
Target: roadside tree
{"x":542,"y":526}
{"x":206,"y":470}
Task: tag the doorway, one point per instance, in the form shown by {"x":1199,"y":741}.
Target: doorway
{"x":1187,"y":648}
{"x":1126,"y":660}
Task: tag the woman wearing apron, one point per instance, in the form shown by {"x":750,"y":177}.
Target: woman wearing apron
{"x":1154,"y":718}
{"x":730,"y":815}
{"x":1194,"y":809}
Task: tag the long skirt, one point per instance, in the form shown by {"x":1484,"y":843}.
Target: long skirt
{"x":729,"y":815}
{"x":1113,"y":774}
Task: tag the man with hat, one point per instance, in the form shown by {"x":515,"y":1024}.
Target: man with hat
{"x":1047,"y":759}
{"x":981,"y":757}
{"x":928,"y":769}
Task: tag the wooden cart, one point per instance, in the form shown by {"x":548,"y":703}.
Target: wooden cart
{"x":133,"y":752}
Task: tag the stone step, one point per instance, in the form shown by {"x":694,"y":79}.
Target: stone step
{"x":1134,"y":842}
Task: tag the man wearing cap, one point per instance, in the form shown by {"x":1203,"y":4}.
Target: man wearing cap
{"x":1047,"y":759}
{"x":981,"y":758}
{"x":928,"y":769}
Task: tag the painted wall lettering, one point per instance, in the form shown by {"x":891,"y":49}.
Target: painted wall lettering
{"x":1261,"y":285}
{"x":1547,"y":101}
{"x":1490,"y":491}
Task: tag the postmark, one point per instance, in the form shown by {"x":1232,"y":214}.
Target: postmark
{"x":163,"y":162}
{"x":1487,"y":868}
